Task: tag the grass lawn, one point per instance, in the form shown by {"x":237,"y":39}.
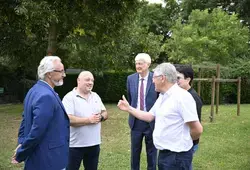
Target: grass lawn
{"x":225,"y":144}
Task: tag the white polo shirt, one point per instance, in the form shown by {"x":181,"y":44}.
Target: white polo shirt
{"x":172,"y":110}
{"x":87,"y":135}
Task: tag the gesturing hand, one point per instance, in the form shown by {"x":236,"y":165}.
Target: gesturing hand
{"x":123,"y":104}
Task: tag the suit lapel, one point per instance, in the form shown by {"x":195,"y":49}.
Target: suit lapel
{"x":136,"y":82}
{"x":55,"y":94}
{"x":149,"y":83}
{"x":59,"y":100}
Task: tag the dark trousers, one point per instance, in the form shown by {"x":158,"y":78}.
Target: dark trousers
{"x":168,"y":160}
{"x":136,"y":147}
{"x":89,"y":156}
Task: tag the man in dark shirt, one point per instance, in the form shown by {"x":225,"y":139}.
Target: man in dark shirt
{"x":184,"y":80}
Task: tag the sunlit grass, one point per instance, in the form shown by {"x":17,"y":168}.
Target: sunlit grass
{"x":224,"y":145}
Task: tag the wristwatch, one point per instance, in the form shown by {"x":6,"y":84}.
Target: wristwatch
{"x":102,"y":118}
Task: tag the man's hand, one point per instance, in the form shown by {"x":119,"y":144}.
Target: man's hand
{"x":123,"y":104}
{"x":13,"y":160}
{"x":95,"y":118}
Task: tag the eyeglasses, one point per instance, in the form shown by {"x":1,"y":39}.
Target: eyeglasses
{"x":178,"y":78}
{"x":157,"y":76}
{"x":59,"y":71}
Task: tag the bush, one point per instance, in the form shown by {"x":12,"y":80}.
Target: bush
{"x":110,"y":86}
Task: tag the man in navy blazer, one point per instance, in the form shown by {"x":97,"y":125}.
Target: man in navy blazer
{"x":43,"y":136}
{"x":141,"y":95}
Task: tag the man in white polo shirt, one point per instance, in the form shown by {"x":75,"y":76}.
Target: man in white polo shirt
{"x":85,"y":110}
{"x":176,"y":120}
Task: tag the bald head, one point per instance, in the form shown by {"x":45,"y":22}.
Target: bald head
{"x":85,"y":74}
{"x":85,"y":82}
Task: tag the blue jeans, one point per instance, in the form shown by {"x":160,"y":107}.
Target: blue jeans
{"x":89,"y":156}
{"x":169,"y":160}
{"x":194,"y":149}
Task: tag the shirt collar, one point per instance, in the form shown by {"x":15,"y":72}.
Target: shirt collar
{"x":171,"y":90}
{"x":145,"y":78}
{"x":77,"y":94}
{"x":47,"y":83}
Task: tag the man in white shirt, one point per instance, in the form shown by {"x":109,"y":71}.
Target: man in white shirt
{"x":176,"y":120}
{"x":85,"y":110}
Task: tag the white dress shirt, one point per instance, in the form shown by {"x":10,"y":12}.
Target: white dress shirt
{"x":172,"y":110}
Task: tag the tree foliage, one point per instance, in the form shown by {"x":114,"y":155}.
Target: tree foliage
{"x":156,"y":18}
{"x":107,"y":34}
{"x":143,"y":31}
{"x":241,"y":7}
{"x":215,"y":37}
{"x":30,"y":28}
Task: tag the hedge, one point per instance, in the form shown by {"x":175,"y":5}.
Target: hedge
{"x":111,"y":86}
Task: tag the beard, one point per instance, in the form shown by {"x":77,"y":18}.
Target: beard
{"x":58,"y":83}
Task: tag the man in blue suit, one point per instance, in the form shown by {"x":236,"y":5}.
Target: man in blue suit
{"x":44,"y":131}
{"x":141,"y":95}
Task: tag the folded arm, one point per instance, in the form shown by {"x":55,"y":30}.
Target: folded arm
{"x":76,"y":121}
{"x":104,"y":114}
{"x":196,"y":129}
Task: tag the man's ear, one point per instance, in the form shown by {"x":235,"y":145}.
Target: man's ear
{"x":48,"y":75}
{"x":164,"y":78}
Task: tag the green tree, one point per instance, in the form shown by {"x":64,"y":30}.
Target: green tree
{"x":30,"y":30}
{"x":157,"y":18}
{"x":143,"y":31}
{"x":213,"y":37}
{"x":34,"y":28}
{"x":241,"y":7}
{"x":112,"y":52}
{"x":148,"y":31}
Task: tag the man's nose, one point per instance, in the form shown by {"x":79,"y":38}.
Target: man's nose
{"x":64,"y":74}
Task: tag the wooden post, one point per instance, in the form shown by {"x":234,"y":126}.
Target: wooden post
{"x":199,"y":82}
{"x":217,"y":88}
{"x":238,"y":95}
{"x":212,"y":99}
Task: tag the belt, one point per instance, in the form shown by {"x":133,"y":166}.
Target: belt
{"x":165,"y":150}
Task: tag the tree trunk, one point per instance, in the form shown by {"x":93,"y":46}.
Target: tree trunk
{"x":52,"y":40}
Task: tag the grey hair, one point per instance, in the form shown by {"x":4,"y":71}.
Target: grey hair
{"x":143,"y":56}
{"x":46,"y":65}
{"x":168,"y":70}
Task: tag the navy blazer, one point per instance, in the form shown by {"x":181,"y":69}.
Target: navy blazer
{"x":132,"y":92}
{"x":44,"y":130}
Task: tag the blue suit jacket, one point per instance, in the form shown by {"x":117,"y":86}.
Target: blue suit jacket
{"x":132,"y":92}
{"x":44,"y":130}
